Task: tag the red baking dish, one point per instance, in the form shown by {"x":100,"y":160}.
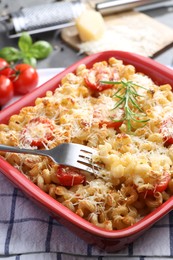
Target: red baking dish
{"x":108,"y":240}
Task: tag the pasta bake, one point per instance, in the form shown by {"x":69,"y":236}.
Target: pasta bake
{"x":122,"y":114}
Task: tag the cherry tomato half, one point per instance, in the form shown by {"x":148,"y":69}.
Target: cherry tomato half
{"x":163,"y":183}
{"x":111,"y":124}
{"x":5,"y":68}
{"x":167,"y":131}
{"x":95,"y":75}
{"x":6,"y":90}
{"x":160,"y":185}
{"x":69,"y":176}
{"x":37,"y":132}
{"x":107,"y":116}
{"x":25,"y":78}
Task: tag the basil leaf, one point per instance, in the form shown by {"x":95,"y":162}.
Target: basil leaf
{"x":40,"y":49}
{"x":10,"y":54}
{"x":30,"y":60}
{"x":25,"y":42}
{"x":27,"y":51}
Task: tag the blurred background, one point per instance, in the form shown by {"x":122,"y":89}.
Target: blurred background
{"x":64,"y":55}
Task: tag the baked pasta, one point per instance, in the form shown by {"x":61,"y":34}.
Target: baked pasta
{"x":120,"y":113}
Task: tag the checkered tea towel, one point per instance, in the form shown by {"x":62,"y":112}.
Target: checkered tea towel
{"x":28,"y":232}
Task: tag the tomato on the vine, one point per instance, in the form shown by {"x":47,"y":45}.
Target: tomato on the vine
{"x":69,"y":176}
{"x":6,"y":90}
{"x":25,"y":78}
{"x":5,"y":68}
{"x":19,"y":79}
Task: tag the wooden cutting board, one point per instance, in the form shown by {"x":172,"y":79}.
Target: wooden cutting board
{"x":128,"y":31}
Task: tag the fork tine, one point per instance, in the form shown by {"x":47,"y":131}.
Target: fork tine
{"x":68,"y":154}
{"x":84,"y":158}
{"x":88,"y":162}
{"x":85,"y":155}
{"x":92,"y":168}
{"x":85,"y":149}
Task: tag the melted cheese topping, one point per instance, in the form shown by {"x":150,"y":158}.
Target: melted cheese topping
{"x":132,"y":162}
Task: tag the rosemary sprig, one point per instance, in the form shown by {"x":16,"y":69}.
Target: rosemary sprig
{"x":127,"y":95}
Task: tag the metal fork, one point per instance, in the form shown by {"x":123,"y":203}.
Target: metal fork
{"x":68,"y":154}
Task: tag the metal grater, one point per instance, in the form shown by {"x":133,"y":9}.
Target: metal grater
{"x":42,"y":18}
{"x":58,"y":15}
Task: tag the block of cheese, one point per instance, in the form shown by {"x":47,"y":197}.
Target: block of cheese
{"x":90,"y":25}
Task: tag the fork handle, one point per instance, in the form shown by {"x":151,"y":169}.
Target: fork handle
{"x":14,"y":149}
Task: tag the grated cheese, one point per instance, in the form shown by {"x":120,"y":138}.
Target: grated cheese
{"x":135,"y":160}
